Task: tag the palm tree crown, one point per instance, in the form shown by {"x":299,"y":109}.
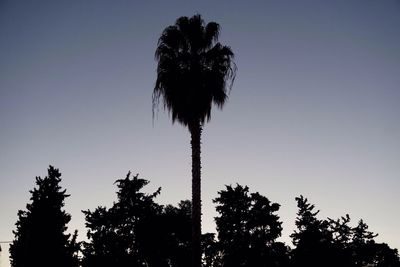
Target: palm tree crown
{"x":194,"y":70}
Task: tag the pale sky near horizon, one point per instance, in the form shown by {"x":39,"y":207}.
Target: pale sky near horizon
{"x":314,"y":109}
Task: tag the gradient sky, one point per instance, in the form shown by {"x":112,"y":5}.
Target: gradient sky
{"x":314,"y":109}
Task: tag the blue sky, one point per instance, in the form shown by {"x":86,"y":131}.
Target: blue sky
{"x":314,"y":109}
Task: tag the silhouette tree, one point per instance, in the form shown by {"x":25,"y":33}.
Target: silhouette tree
{"x":40,"y":238}
{"x":312,"y":238}
{"x":193,"y":72}
{"x":248,"y":228}
{"x":363,"y":245}
{"x":356,"y":247}
{"x":136,"y":231}
{"x":113,"y":233}
{"x":335,"y":243}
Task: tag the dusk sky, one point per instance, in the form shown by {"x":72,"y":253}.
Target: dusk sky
{"x":314,"y":109}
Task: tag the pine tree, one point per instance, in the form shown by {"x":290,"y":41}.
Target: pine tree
{"x":312,"y":239}
{"x":40,"y":238}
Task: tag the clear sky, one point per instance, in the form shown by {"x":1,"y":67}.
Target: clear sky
{"x":314,"y":109}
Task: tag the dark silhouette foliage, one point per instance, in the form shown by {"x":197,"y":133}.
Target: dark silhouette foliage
{"x":384,"y":256}
{"x":211,"y":251}
{"x":136,"y":231}
{"x":248,"y":227}
{"x":335,"y":243}
{"x":113,"y":233}
{"x":40,"y":238}
{"x":312,"y":238}
{"x":175,"y":229}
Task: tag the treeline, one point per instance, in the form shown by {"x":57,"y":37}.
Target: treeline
{"x":137,"y":231}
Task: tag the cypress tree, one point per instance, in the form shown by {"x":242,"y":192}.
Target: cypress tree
{"x":40,"y":238}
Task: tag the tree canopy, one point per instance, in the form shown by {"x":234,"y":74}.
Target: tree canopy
{"x":138,"y":231}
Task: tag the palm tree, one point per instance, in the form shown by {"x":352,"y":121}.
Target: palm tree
{"x":194,"y":71}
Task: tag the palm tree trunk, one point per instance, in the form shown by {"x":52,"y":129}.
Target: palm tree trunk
{"x":195,"y":132}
